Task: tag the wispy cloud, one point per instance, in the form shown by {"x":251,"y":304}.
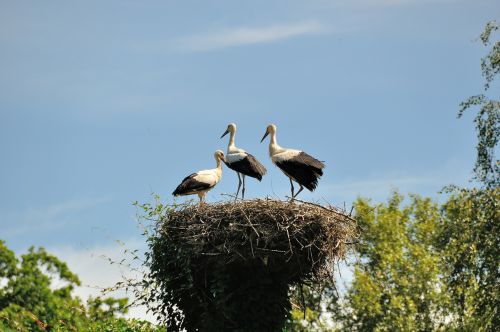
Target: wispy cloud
{"x":93,"y":267}
{"x":249,"y":35}
{"x":49,"y":217}
{"x":379,"y":186}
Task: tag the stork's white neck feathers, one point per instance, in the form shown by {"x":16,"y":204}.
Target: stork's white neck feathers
{"x":231,"y":140}
{"x":219,"y":165}
{"x":278,"y":153}
{"x":274,"y":148}
{"x":231,"y":147}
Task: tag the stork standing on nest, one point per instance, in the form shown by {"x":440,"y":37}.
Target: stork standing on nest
{"x":201,"y":182}
{"x":241,"y":161}
{"x":297,"y":165}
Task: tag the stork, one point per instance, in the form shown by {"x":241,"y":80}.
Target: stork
{"x":201,"y":182}
{"x":241,"y":161}
{"x":297,"y":165}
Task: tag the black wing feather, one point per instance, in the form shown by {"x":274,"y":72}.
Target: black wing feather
{"x":304,"y":169}
{"x":312,"y":162}
{"x":190,"y":186}
{"x":249,"y":166}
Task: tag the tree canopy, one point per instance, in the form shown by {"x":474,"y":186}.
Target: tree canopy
{"x":29,"y":300}
{"x":396,"y":279}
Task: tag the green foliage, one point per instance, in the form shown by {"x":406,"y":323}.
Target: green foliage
{"x":487,"y":168}
{"x":427,"y":268}
{"x":29,"y":286}
{"x":469,"y":243}
{"x":396,"y":280}
{"x":100,"y":309}
{"x":312,"y":307}
{"x":490,"y":64}
{"x":30,"y":302}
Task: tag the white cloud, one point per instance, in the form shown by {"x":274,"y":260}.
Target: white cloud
{"x":249,"y":35}
{"x":93,"y":267}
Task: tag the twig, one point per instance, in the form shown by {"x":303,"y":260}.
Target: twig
{"x":325,"y":208}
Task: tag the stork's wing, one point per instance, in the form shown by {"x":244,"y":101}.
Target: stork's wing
{"x":303,"y":168}
{"x":248,"y":165}
{"x":312,"y":162}
{"x":192,"y":184}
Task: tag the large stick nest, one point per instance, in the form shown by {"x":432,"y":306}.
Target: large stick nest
{"x":305,"y":235}
{"x":224,"y":261}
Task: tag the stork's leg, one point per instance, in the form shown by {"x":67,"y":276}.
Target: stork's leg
{"x":200,"y":196}
{"x":239,"y":186}
{"x":243,"y":190}
{"x":298,"y":192}
{"x":291,"y":184}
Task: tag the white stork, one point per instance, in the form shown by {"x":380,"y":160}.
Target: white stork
{"x":297,"y":165}
{"x":201,"y":182}
{"x":241,"y":161}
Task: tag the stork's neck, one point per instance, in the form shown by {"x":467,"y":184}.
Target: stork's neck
{"x":273,"y":139}
{"x":273,"y":145}
{"x":219,"y":163}
{"x":218,"y":169}
{"x":231,"y":139}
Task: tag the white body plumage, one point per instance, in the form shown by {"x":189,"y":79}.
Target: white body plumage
{"x":295,"y":164}
{"x":202,"y":181}
{"x":242,"y":162}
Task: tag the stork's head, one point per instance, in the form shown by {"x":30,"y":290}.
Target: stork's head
{"x":219,"y":155}
{"x":231,"y":128}
{"x":271,"y":129}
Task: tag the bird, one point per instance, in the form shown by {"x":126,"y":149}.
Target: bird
{"x":296,"y":164}
{"x":241,"y":161}
{"x":201,"y":182}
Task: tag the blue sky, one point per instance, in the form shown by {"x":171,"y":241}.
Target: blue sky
{"x":103,"y":103}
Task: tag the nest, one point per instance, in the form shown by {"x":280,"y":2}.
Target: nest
{"x":229,"y":266}
{"x":305,"y":235}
